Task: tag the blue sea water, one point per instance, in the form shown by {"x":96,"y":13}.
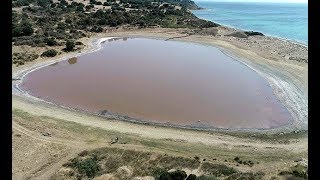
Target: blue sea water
{"x":289,"y":21}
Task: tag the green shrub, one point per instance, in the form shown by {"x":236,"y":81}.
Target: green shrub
{"x":102,"y":22}
{"x":23,"y":29}
{"x":88,"y":7}
{"x":43,"y":3}
{"x":96,"y":29}
{"x":178,"y":175}
{"x":191,"y":177}
{"x":157,"y":172}
{"x":107,"y":4}
{"x":49,"y":53}
{"x":21,"y":58}
{"x":88,"y":167}
{"x":27,"y":29}
{"x":162,"y":174}
{"x":69,"y":45}
{"x":51,"y":42}
{"x":17,"y":31}
{"x":20,"y":3}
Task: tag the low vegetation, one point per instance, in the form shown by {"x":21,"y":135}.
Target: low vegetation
{"x":86,"y":167}
{"x":248,"y":175}
{"x":21,"y":58}
{"x":89,"y":164}
{"x":51,"y":42}
{"x":271,"y":137}
{"x":45,"y":23}
{"x":69,"y":46}
{"x":217,"y":169}
{"x":154,"y":157}
{"x":49,"y":53}
{"x":248,"y":162}
{"x":296,"y":172}
{"x":161,"y":174}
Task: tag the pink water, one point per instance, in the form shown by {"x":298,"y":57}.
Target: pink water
{"x":162,"y":81}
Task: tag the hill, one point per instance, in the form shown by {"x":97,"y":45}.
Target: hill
{"x":40,"y":23}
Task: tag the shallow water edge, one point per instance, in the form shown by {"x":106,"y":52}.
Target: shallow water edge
{"x":96,"y":44}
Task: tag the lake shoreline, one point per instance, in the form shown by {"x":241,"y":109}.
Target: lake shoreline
{"x":93,"y":44}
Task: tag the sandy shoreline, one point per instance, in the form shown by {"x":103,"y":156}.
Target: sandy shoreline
{"x":288,"y":91}
{"x":269,"y":35}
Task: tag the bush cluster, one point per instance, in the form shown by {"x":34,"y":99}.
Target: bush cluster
{"x":249,"y":162}
{"x":87,"y":167}
{"x":49,"y":53}
{"x":21,"y":58}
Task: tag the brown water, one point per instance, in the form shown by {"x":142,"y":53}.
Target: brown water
{"x":162,"y":81}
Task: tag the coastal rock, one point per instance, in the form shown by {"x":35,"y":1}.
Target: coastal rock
{"x":253,"y":33}
{"x":238,"y":34}
{"x":208,"y":31}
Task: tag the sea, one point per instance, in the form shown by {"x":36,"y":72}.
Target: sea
{"x":283,"y":20}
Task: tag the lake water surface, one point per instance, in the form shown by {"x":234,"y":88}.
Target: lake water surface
{"x":162,"y":81}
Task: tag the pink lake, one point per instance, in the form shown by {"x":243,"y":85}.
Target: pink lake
{"x":174,"y":82}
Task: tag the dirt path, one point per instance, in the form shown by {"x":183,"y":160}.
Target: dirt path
{"x":67,"y":150}
{"x":37,"y":136}
{"x":47,"y":169}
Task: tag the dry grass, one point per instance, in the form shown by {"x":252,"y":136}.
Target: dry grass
{"x":140,"y":163}
{"x":146,"y":155}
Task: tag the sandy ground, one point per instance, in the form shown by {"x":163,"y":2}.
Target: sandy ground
{"x":147,"y":131}
{"x":37,"y":156}
{"x":287,"y":77}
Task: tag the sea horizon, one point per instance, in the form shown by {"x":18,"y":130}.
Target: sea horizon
{"x":288,"y":21}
